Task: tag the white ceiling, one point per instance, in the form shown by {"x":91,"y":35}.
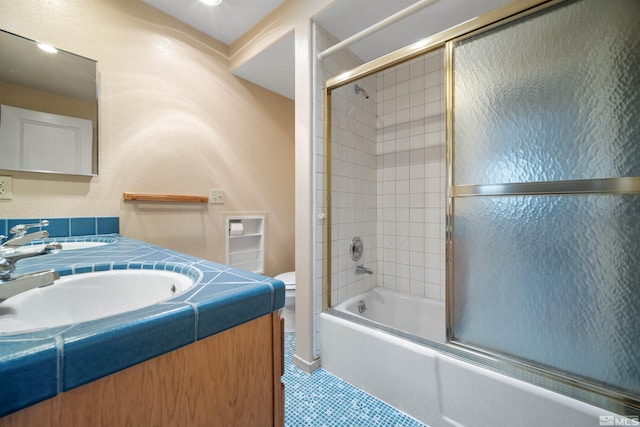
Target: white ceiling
{"x":225,"y":22}
{"x":274,"y":67}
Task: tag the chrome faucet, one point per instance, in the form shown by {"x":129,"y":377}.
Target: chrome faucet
{"x":11,"y":284}
{"x":361,"y":269}
{"x":20,"y":236}
{"x":16,"y":242}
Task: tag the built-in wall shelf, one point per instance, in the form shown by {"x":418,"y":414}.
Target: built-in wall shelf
{"x":176,"y":198}
{"x":245,"y":242}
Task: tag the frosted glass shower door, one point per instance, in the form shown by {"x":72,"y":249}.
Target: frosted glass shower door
{"x":545,"y":210}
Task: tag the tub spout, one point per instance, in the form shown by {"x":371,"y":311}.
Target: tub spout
{"x":361,"y":269}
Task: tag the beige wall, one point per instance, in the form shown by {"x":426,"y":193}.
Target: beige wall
{"x":173,"y":119}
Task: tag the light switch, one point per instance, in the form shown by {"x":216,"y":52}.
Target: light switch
{"x":216,"y":197}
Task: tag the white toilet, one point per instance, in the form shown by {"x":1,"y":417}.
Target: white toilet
{"x":289,"y":310}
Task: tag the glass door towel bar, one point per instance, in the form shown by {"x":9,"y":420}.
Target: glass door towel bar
{"x":627,"y":185}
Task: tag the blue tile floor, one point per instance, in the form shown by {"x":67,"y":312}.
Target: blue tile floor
{"x":323,"y":400}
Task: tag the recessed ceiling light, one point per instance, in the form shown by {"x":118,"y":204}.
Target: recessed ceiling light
{"x":47,"y":48}
{"x":211,"y":2}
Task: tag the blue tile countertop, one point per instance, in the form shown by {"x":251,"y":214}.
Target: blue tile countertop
{"x":37,"y":365}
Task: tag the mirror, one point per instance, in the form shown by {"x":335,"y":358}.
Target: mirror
{"x":48,"y":109}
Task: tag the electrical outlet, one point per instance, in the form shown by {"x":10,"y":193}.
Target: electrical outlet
{"x":6,"y":190}
{"x":216,"y":197}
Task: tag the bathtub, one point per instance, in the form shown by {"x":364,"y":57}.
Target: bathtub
{"x":399,"y":313}
{"x":381,"y":351}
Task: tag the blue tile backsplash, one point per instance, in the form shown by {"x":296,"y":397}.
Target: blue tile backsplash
{"x":67,"y":227}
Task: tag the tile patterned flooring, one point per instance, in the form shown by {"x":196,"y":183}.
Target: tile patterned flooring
{"x":323,"y":400}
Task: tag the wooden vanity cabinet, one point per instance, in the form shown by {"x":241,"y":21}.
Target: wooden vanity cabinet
{"x":229,"y":379}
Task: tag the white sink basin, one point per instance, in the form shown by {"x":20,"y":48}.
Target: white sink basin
{"x":89,"y":296}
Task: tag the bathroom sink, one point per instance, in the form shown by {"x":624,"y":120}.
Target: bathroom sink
{"x":89,"y":296}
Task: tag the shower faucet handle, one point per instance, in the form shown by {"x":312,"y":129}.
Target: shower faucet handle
{"x":356,"y":248}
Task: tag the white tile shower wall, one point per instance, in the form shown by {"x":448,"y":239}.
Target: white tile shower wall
{"x":354,"y":176}
{"x":411,"y":171}
{"x":354,"y":188}
{"x":389,"y":177}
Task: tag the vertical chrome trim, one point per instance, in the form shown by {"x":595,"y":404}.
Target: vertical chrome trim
{"x":448,"y":68}
{"x":329,"y":190}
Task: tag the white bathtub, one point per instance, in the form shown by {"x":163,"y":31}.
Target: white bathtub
{"x":425,"y":382}
{"x":423,"y":317}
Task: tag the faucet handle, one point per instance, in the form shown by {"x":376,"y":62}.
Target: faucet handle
{"x":21,"y":229}
{"x":6,"y":268}
{"x":8,"y":262}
